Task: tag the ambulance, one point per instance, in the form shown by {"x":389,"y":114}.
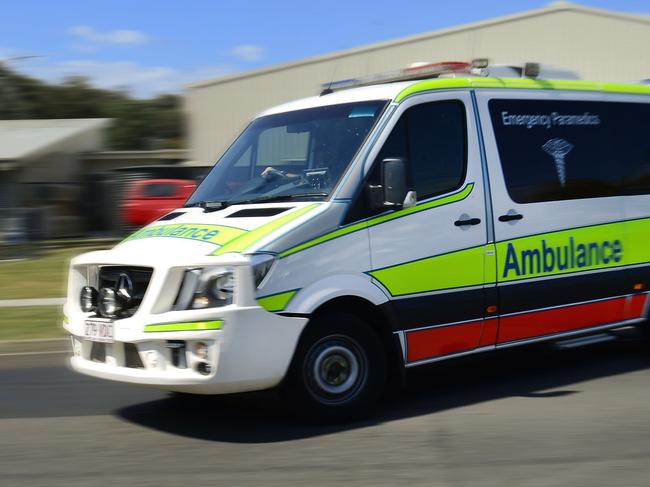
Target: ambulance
{"x":390,"y":222}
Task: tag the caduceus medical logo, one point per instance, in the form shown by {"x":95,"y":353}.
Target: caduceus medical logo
{"x":558,"y":149}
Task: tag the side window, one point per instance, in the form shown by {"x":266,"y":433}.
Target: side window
{"x":562,"y":150}
{"x":159,"y":190}
{"x":432,"y":138}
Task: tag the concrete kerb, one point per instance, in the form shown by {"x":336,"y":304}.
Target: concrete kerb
{"x":24,"y":303}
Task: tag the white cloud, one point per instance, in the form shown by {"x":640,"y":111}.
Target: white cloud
{"x":139,"y":80}
{"x":92,"y":39}
{"x":247,"y":52}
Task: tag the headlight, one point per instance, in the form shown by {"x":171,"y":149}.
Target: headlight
{"x":261,"y":265}
{"x":222,"y":287}
{"x":211,"y":287}
{"x":88,"y":299}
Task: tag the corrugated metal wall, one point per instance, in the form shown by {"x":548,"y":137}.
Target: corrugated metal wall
{"x":599,"y":46}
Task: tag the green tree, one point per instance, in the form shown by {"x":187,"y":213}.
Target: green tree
{"x":138,"y":124}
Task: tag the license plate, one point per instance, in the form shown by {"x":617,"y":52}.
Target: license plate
{"x":99,"y":331}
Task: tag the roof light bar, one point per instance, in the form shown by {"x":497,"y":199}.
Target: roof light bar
{"x":478,"y":67}
{"x":414,"y":71}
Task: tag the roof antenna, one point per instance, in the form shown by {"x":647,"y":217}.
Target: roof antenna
{"x":329,"y":89}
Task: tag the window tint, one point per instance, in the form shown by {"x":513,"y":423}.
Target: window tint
{"x":432,"y":138}
{"x":159,"y":190}
{"x":561,"y":150}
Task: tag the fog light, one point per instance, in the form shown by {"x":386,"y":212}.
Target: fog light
{"x":201,"y":350}
{"x":88,"y":299}
{"x":204,"y":368}
{"x":108,"y":304}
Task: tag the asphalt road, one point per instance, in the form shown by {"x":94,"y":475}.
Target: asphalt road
{"x":536,"y":417}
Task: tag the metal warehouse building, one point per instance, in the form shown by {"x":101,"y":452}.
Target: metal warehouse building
{"x":600,"y":45}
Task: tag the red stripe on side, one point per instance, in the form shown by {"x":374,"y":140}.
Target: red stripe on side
{"x":635,"y":306}
{"x":539,"y":323}
{"x":490,"y":330}
{"x":429,"y":343}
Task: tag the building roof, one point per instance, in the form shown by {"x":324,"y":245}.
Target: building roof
{"x":554,"y":7}
{"x":20,"y":139}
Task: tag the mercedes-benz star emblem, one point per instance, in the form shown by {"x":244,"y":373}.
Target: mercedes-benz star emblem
{"x":124,"y":287}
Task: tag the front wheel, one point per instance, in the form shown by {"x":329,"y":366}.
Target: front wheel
{"x":338,"y":370}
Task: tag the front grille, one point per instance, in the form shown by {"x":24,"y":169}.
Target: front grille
{"x":138,"y":277}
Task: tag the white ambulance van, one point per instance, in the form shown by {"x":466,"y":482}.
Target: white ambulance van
{"x":387,"y":223}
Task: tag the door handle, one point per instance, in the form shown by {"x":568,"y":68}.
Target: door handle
{"x":469,"y":221}
{"x":510,"y":217}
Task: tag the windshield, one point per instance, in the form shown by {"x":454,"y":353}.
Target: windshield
{"x":293,"y":155}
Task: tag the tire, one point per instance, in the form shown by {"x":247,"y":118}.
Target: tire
{"x":338,"y":370}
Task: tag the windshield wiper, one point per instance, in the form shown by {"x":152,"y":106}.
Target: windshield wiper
{"x":209,"y":206}
{"x":278,"y":197}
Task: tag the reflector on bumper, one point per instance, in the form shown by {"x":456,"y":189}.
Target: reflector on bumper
{"x":196,"y":326}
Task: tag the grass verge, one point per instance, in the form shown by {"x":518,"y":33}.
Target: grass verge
{"x":32,"y":322}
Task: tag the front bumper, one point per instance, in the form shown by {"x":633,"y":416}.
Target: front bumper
{"x":252,"y":349}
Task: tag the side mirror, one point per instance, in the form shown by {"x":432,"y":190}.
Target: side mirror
{"x":393,"y":191}
{"x":393,"y":180}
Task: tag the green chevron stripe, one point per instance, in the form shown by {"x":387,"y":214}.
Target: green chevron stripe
{"x":247,"y":240}
{"x":445,"y":200}
{"x":277,"y":302}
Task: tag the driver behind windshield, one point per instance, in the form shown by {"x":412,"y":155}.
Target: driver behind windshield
{"x":293,"y":155}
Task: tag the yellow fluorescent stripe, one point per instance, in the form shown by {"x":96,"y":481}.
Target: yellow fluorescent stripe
{"x":580,"y":249}
{"x":194,"y":326}
{"x":452,"y":198}
{"x":214,"y":234}
{"x":608,"y":245}
{"x":521,"y":83}
{"x":245,"y":241}
{"x":276,"y":302}
{"x":457,"y":269}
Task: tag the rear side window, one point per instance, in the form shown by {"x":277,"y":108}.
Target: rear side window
{"x":432,"y":137}
{"x":159,"y":190}
{"x":562,"y":150}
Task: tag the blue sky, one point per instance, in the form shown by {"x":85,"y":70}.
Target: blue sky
{"x":151,"y":47}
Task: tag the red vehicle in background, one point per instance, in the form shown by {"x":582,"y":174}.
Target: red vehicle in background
{"x":148,"y":199}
